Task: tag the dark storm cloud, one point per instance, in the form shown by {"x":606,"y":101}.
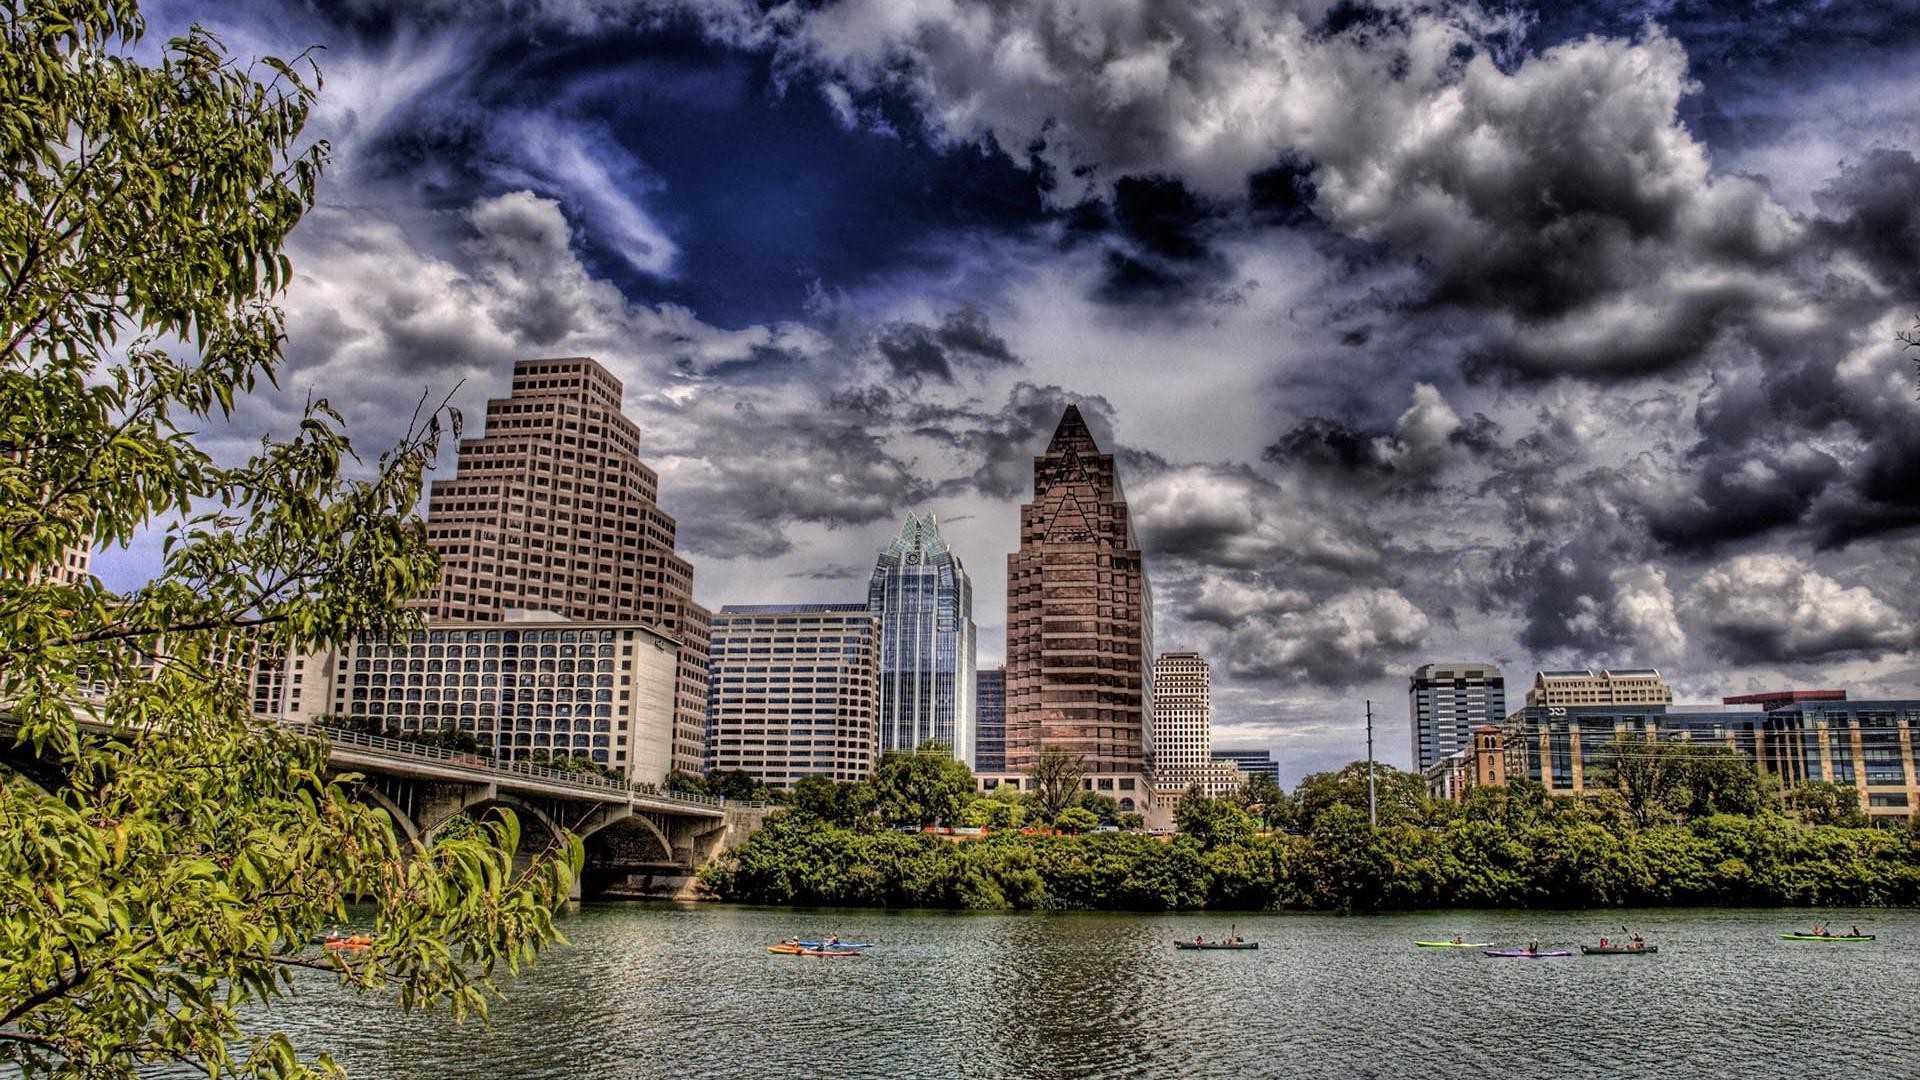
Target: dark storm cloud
{"x":1411,"y":456}
{"x":963,"y":339}
{"x":780,"y":469}
{"x":1004,"y":443}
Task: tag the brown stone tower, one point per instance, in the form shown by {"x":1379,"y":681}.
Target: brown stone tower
{"x":1079,"y":619}
{"x":551,"y":509}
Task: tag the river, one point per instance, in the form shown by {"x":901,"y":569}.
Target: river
{"x":682,"y":992}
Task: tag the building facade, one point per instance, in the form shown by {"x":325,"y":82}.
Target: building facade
{"x":924,"y":600}
{"x":528,"y":684}
{"x":990,"y":720}
{"x":1079,"y":618}
{"x":1251,"y":763}
{"x":1183,"y":729}
{"x":1482,"y":764}
{"x":1869,"y":745}
{"x":1445,"y":702}
{"x":552,"y":509}
{"x":1582,"y":688}
{"x":795,"y":691}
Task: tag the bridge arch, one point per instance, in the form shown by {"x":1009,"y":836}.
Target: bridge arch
{"x":485,"y":799}
{"x":403,"y":822}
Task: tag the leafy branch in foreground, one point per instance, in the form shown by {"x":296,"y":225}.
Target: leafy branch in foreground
{"x":166,"y":861}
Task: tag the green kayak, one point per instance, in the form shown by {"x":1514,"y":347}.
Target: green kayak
{"x":1454,"y":944}
{"x":1826,"y":937}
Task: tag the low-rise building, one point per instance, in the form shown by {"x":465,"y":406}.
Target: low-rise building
{"x":534,"y":684}
{"x":1866,"y":744}
{"x":1582,"y":688}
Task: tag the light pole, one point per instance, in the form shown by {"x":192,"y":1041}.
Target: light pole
{"x":1373,"y":807}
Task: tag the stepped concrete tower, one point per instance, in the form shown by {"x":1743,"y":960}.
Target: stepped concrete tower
{"x":1080,"y":621}
{"x":551,"y":509}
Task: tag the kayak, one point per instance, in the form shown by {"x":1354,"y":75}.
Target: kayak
{"x":1216,"y":944}
{"x":1826,"y":937}
{"x":1524,"y":954}
{"x":1617,"y":950}
{"x":1454,"y":944}
{"x":797,"y":950}
{"x":838,"y":945}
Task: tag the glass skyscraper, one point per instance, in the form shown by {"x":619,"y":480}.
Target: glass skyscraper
{"x":924,"y":600}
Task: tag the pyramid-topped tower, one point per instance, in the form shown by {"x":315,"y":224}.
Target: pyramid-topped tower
{"x":1079,"y":621}
{"x":924,"y":599}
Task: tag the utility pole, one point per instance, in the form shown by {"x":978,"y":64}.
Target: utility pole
{"x":1373,"y":807}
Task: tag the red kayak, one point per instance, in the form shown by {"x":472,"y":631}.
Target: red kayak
{"x":1524,"y":954}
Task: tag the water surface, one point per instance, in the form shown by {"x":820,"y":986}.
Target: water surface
{"x":671,"y":992}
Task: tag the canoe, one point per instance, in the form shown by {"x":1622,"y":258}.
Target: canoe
{"x":1524,"y":954}
{"x":1216,"y":945}
{"x":1825,"y":937}
{"x":1454,"y":944}
{"x":1617,"y":950}
{"x":838,"y":945}
{"x":796,"y":950}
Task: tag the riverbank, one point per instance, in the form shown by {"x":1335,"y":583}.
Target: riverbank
{"x":1503,"y":856}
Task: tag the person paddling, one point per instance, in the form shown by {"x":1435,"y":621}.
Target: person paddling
{"x":1533,"y":947}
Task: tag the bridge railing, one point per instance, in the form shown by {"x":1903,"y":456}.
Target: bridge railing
{"x":469,"y":760}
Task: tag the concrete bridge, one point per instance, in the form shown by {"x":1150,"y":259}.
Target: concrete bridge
{"x":639,"y":840}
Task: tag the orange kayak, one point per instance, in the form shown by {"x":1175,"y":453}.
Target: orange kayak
{"x":802,"y":950}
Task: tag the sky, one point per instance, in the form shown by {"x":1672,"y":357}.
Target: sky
{"x":1554,"y":336}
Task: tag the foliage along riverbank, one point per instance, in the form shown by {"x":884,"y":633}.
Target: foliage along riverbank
{"x":1721,"y":839}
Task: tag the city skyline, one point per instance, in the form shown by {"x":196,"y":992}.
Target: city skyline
{"x":1624,"y":394}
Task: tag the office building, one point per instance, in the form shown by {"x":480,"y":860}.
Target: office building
{"x":1778,"y":698}
{"x":795,"y":691}
{"x":1581,"y":687}
{"x":529,"y":684}
{"x":1251,"y":763}
{"x":1445,"y":702}
{"x":1079,"y":621}
{"x":551,"y":509}
{"x":1867,"y":744}
{"x":1183,"y":729}
{"x":924,"y":600}
{"x":990,"y":720}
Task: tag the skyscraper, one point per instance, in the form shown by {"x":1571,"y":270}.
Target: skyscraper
{"x":795,"y":691}
{"x":990,"y":720}
{"x":1446,"y":702}
{"x":551,"y":509}
{"x":1080,"y":619}
{"x":924,"y":600}
{"x":1183,"y":728}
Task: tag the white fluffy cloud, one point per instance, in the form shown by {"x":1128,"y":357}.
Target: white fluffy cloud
{"x":1777,"y":608}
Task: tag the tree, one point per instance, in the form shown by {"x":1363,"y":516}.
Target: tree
{"x":821,"y":798}
{"x":1076,"y":819}
{"x":1826,"y":802}
{"x":733,"y":784}
{"x":1261,"y":797}
{"x":1000,"y":809}
{"x":1105,"y":808}
{"x":1401,"y":796}
{"x":925,"y":787}
{"x":158,"y":880}
{"x":1058,"y":776}
{"x":1213,"y":822}
{"x":1660,"y":780}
